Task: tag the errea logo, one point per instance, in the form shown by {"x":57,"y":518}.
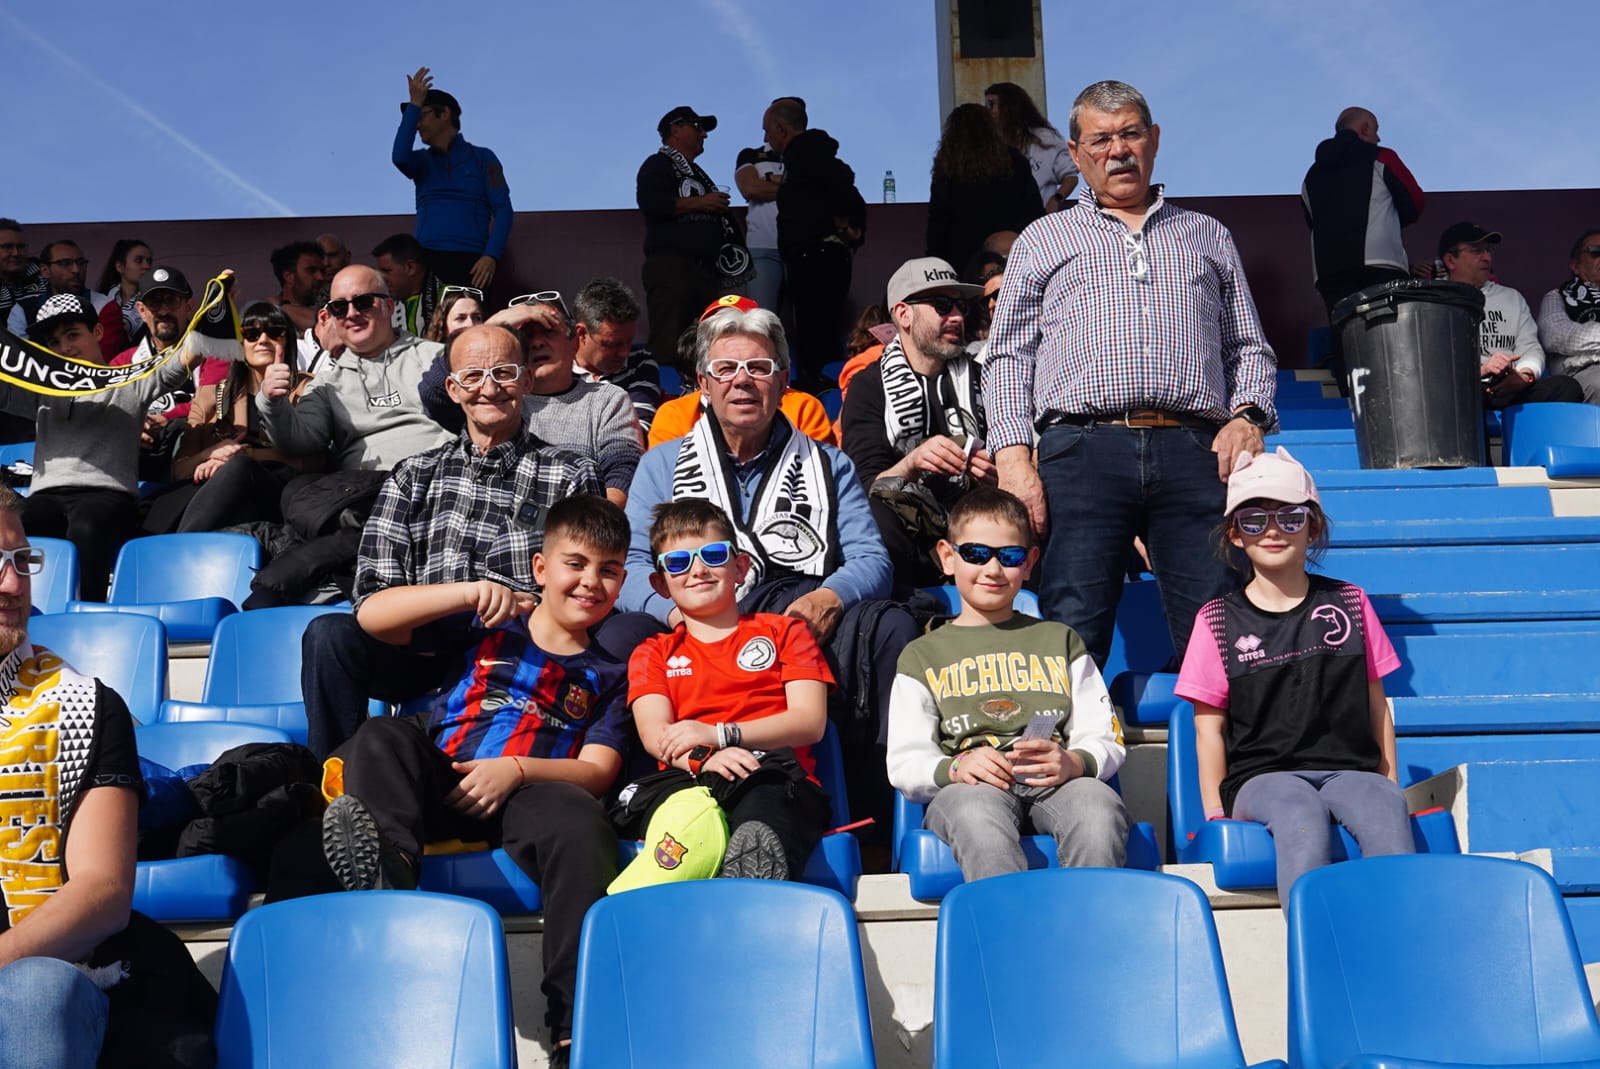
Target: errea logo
{"x":1249,"y":647}
{"x":679,"y":665}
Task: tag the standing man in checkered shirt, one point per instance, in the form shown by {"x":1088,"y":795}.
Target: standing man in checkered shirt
{"x":1126,"y":338}
{"x":470,"y":512}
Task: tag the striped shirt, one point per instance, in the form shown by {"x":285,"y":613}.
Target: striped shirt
{"x":1075,"y":332}
{"x":640,"y":379}
{"x":453,"y":514}
{"x":515,"y":699}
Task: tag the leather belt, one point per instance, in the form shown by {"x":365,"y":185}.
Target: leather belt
{"x":1137,"y":417}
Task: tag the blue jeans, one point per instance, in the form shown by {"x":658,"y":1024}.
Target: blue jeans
{"x":766,"y":288}
{"x":1105,"y":484}
{"x":1298,"y":808}
{"x":51,"y":1016}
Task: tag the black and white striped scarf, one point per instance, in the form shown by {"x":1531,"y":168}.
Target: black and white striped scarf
{"x":733,"y":259}
{"x":907,"y":415}
{"x":792,"y":527}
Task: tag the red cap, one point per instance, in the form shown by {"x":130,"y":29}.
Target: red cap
{"x":732,"y":300}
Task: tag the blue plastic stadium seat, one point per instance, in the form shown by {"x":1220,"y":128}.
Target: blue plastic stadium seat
{"x":1435,"y":961}
{"x":832,"y":402}
{"x":1026,"y":601}
{"x":1140,"y":638}
{"x":932,"y":868}
{"x":791,"y":977}
{"x":1564,"y":439}
{"x":1241,"y":852}
{"x":187,"y":581}
{"x":56,"y":586}
{"x":671,"y":381}
{"x":492,"y":877}
{"x":210,"y":887}
{"x":366,"y":981}
{"x":126,"y":653}
{"x":1159,"y":998}
{"x":832,"y":371}
{"x":253,"y":673}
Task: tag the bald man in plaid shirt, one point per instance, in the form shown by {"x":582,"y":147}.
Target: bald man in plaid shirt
{"x":1127,"y":340}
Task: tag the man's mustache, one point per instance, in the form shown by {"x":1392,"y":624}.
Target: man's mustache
{"x":1122,"y":163}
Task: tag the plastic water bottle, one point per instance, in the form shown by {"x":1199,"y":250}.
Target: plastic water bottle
{"x":888,"y":187}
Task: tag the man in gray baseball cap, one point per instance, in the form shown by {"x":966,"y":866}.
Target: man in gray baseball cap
{"x":913,"y":423}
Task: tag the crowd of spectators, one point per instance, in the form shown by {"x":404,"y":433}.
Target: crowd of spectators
{"x":395,"y":437}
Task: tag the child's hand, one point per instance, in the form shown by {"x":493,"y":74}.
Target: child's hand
{"x":684,"y":735}
{"x":733,"y":763}
{"x":485,"y":785}
{"x":1043,"y":763}
{"x":495,"y":603}
{"x":983,"y":765}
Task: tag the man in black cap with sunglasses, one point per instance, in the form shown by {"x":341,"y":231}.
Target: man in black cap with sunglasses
{"x":463,"y":203}
{"x":686,"y":226}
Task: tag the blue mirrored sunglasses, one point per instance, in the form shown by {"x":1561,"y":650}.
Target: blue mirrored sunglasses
{"x":712,"y":554}
{"x":978,"y":553}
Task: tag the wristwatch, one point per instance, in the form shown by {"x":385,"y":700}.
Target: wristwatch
{"x":1254,"y":415}
{"x":697,"y":757}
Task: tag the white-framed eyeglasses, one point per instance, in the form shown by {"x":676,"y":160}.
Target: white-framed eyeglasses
{"x":1138,"y":264}
{"x":471,"y":291}
{"x":472,"y":378}
{"x":28,"y":560}
{"x":725,"y":369}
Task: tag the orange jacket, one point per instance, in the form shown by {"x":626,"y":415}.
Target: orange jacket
{"x":675,"y":417}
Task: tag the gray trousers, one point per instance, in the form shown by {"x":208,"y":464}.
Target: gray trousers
{"x":1589,"y":378}
{"x":983,"y":825}
{"x":1298,"y":808}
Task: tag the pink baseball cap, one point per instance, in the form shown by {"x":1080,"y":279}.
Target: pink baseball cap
{"x":1273,"y":476}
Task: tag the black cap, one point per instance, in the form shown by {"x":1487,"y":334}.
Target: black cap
{"x":436,"y":98}
{"x":684,"y":113}
{"x":164,"y":278}
{"x":63,"y":308}
{"x":1465,"y":234}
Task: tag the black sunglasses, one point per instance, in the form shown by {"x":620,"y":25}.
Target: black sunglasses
{"x":1592,"y":250}
{"x":252,"y":334}
{"x":339,"y":307}
{"x":978,"y":553}
{"x":942,"y":303}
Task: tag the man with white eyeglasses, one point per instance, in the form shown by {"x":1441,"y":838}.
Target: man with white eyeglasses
{"x":801,"y":514}
{"x":594,"y":419}
{"x":1126,"y":340}
{"x":469,"y":511}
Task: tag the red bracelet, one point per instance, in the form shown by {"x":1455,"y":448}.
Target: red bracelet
{"x":522,"y":777}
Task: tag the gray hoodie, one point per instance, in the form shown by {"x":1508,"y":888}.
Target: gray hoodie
{"x":365,"y":408}
{"x":92,"y":442}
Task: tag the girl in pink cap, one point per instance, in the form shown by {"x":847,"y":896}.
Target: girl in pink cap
{"x":1291,"y":725}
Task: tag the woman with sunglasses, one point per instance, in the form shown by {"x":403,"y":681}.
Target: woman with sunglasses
{"x":981,"y":186}
{"x":226,"y":468}
{"x":459,"y":307}
{"x":1291,"y":725}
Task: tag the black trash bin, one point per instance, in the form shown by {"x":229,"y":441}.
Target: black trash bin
{"x":1411,"y":348}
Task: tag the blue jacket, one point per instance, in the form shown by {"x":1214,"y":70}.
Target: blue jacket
{"x":457,"y":191}
{"x":864,"y":574}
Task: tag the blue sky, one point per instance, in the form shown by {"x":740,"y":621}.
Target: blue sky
{"x":222,"y":110}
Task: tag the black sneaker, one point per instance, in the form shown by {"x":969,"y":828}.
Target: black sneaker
{"x":754,"y":853}
{"x":361,"y":858}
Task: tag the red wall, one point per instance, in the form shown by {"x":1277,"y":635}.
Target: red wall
{"x":562,"y":250}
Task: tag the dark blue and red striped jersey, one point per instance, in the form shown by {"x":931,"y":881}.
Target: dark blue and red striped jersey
{"x":514,"y":699}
